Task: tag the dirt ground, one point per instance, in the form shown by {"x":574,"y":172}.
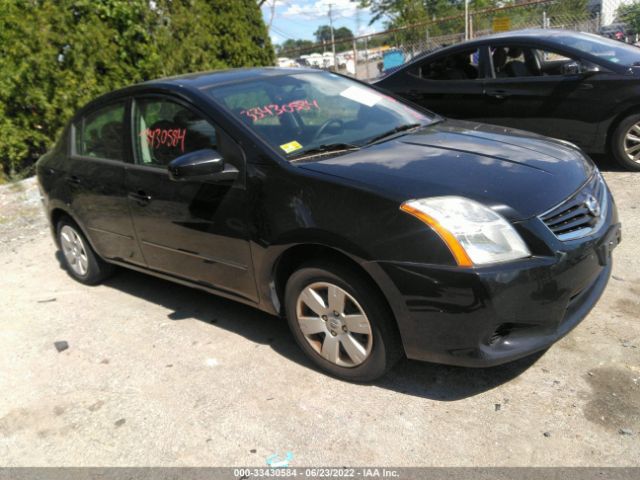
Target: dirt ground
{"x":159,"y":374}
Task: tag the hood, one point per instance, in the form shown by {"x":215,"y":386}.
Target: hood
{"x":521,"y":174}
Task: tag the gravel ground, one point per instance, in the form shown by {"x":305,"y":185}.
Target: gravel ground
{"x":159,"y":374}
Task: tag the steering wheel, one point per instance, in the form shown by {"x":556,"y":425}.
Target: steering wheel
{"x":332,"y":121}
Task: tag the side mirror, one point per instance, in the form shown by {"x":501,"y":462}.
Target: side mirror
{"x":588,"y":68}
{"x":571,"y":68}
{"x":199,"y":165}
{"x":579,"y":68}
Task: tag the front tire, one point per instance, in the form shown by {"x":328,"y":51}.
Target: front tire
{"x":341,"y":322}
{"x":78,"y":258}
{"x":625,"y":143}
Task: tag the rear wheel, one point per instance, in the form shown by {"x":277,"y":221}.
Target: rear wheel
{"x":79,"y":259}
{"x":625,"y":143}
{"x":341,"y":323}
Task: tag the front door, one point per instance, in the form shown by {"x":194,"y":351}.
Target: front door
{"x":541,"y":91}
{"x":195,"y":230}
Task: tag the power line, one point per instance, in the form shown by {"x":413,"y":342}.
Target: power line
{"x":282,"y":33}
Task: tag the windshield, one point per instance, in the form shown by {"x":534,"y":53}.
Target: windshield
{"x":605,"y":48}
{"x":313,"y":112}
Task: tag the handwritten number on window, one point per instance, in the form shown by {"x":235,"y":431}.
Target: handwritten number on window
{"x":272,"y":110}
{"x":170,"y":137}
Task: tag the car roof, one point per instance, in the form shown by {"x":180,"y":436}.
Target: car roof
{"x":545,"y":35}
{"x":201,"y":80}
{"x":516,"y":35}
{"x":194,"y":82}
{"x":529,"y":34}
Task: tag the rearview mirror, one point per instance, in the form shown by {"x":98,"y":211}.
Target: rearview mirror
{"x":198,"y":165}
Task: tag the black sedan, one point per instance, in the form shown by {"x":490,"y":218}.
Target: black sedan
{"x":575,"y":86}
{"x":375,"y":227}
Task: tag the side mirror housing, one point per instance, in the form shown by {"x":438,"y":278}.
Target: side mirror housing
{"x":580,"y":68}
{"x":199,"y":165}
{"x":588,"y":68}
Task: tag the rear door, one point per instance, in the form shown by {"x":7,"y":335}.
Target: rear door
{"x":450,"y":84}
{"x":543,"y":91}
{"x":190,"y":229}
{"x":95,"y":179}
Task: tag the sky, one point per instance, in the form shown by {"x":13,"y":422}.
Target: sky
{"x":300,"y":18}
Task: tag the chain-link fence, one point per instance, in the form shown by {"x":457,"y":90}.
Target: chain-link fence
{"x":370,"y":56}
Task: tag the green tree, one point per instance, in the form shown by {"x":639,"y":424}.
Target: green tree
{"x":57,"y":55}
{"x":295,"y":46}
{"x":399,"y":13}
{"x":323,"y":34}
{"x":342,"y":36}
{"x":630,"y":14}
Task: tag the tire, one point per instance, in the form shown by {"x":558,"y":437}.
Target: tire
{"x":365,"y":332}
{"x":620,"y":142}
{"x":78,"y":258}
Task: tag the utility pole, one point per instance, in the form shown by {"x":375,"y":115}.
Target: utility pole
{"x":466,"y":19}
{"x":333,"y":44}
{"x":272,"y":10}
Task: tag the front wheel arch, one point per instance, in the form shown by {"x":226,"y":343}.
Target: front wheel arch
{"x":294,"y":257}
{"x":384,"y":343}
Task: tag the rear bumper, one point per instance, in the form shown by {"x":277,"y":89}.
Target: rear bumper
{"x":492,"y":315}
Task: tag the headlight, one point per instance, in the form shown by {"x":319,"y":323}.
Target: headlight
{"x":475,"y":234}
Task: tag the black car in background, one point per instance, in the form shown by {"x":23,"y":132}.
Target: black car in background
{"x":376,"y":228}
{"x":578,"y":87}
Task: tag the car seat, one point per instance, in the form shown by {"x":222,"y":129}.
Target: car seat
{"x":454,"y":70}
{"x":109,"y":144}
{"x":199,"y":134}
{"x":533,"y":61}
{"x":499,"y":58}
{"x":463,"y":61}
{"x":516,"y":68}
{"x":162,"y":154}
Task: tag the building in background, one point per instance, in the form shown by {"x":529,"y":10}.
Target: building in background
{"x":606,"y":9}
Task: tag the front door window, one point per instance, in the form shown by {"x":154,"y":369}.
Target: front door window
{"x":165,"y":130}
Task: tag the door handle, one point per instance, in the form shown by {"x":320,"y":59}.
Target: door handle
{"x":73,"y":180}
{"x":499,"y":94}
{"x":140,"y":196}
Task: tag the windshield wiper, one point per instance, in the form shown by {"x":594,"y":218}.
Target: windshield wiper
{"x":325,"y":148}
{"x":398,"y":129}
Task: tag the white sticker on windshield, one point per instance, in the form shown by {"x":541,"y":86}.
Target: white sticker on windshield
{"x":361,"y":95}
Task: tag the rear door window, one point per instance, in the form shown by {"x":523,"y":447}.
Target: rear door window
{"x":100,"y":133}
{"x":457,"y":66}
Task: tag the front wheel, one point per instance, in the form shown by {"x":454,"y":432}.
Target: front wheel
{"x":625,"y":143}
{"x":341,"y":322}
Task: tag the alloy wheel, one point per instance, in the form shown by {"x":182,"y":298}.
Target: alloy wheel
{"x":74,"y":250}
{"x":334,"y":324}
{"x":632,"y":143}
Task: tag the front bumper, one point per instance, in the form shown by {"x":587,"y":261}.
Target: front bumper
{"x":492,"y":315}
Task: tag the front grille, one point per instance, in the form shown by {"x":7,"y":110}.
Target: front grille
{"x":581,"y":214}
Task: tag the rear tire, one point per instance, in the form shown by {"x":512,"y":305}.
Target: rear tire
{"x":78,"y":258}
{"x":625,"y":143}
{"x":349,"y":331}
